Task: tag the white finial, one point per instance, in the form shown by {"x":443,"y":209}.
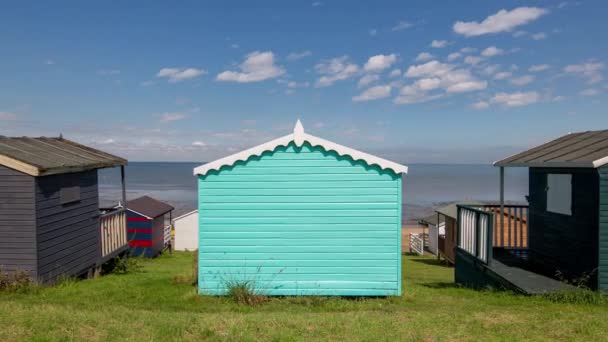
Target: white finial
{"x":298,"y":134}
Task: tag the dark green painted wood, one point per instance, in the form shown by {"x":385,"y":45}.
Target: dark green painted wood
{"x":568,"y":244}
{"x":603,"y":231}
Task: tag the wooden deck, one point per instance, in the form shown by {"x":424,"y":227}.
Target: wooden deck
{"x":511,"y":266}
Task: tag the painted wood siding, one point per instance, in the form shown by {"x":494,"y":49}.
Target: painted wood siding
{"x":301,"y":222}
{"x":566,"y":243}
{"x":68,"y":234}
{"x":17,"y":222}
{"x":603,"y":231}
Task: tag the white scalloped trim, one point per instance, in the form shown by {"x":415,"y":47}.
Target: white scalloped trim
{"x":299,"y":137}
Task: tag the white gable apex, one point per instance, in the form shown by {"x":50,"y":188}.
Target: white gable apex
{"x":299,"y":137}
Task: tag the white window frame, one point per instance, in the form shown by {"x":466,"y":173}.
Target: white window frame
{"x":559,"y":193}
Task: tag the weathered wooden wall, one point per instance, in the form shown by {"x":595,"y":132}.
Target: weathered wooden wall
{"x":603,"y":233}
{"x":68,"y":235}
{"x":566,"y":243}
{"x":17,"y":222}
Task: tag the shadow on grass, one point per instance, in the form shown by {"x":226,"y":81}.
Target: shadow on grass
{"x":433,"y":262}
{"x":442,"y":285}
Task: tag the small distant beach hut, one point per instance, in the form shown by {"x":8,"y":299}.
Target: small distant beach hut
{"x":146,"y":229}
{"x":436,"y":229}
{"x":186,"y":232}
{"x":563,"y":231}
{"x":51,"y":225}
{"x":300,"y":215}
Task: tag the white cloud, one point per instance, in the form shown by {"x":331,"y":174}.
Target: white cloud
{"x":199,"y":143}
{"x":520,"y":33}
{"x":147,"y":83}
{"x":453,"y":56}
{"x":402,"y":25}
{"x":538,"y":67}
{"x":472,"y":60}
{"x":294,"y":56}
{"x":439,"y":43}
{"x":395,"y":73}
{"x":335,"y":69}
{"x":516,"y":99}
{"x":435,"y":76}
{"x":379,"y":63}
{"x":522,"y":80}
{"x":468,"y":50}
{"x":49,"y":62}
{"x":180,"y":74}
{"x":373,"y":32}
{"x":368,"y":79}
{"x":502,"y":75}
{"x":317,"y":4}
{"x":257,"y":66}
{"x":501,"y":21}
{"x":480,"y":105}
{"x":7,"y":116}
{"x":429,"y":69}
{"x":235,"y":46}
{"x":170,"y":117}
{"x":589,"y":92}
{"x":490,"y":69}
{"x":492,"y":51}
{"x":590,"y":70}
{"x":539,"y":36}
{"x":424,"y":56}
{"x":374,"y":93}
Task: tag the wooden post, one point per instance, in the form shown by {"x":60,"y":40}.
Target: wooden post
{"x":124,"y":198}
{"x":502,"y":206}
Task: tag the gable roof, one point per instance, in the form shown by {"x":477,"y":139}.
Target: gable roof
{"x":47,"y":156}
{"x":299,"y":137}
{"x":148,"y":206}
{"x":583,"y":149}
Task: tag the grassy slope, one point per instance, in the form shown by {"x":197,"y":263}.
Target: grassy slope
{"x":146,"y":305}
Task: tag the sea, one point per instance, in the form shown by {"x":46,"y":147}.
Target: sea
{"x":425,"y":187}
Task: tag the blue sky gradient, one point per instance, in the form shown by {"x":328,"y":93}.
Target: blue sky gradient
{"x":199,"y":80}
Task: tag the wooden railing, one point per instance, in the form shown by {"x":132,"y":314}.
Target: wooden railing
{"x":417,"y":244}
{"x":113,"y":232}
{"x":475,"y":232}
{"x":510,"y":228}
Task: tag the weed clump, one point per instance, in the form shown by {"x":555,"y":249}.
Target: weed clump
{"x":17,"y":281}
{"x":244,"y":292}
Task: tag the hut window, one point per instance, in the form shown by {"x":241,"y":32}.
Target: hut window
{"x":70,"y":191}
{"x":559,"y":193}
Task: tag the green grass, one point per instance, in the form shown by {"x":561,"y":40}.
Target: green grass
{"x":150,"y":305}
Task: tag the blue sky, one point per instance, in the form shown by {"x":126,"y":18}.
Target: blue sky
{"x":414,"y":81}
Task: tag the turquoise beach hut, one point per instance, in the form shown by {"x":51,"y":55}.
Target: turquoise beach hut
{"x":300,"y":215}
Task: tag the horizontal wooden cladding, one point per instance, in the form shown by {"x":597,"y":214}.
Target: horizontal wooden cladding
{"x":313,"y":284}
{"x":310,"y":183}
{"x":287,"y":220}
{"x":270,"y":177}
{"x":241,"y":213}
{"x":249,"y":272}
{"x":297,"y":226}
{"x":311,"y":292}
{"x":300,"y":206}
{"x":290,"y":234}
{"x":295,"y":198}
{"x":291,"y":248}
{"x":295,"y":255}
{"x":309,"y":190}
{"x":296,"y":169}
{"x":220,"y":278}
{"x":296,"y":264}
{"x":344,"y":241}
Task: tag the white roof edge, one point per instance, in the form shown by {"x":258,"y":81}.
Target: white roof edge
{"x":186,"y":214}
{"x":600,"y":162}
{"x":299,"y":137}
{"x":138,"y":213}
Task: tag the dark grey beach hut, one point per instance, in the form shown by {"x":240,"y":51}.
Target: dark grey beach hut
{"x":561,"y":235}
{"x":50,"y":222}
